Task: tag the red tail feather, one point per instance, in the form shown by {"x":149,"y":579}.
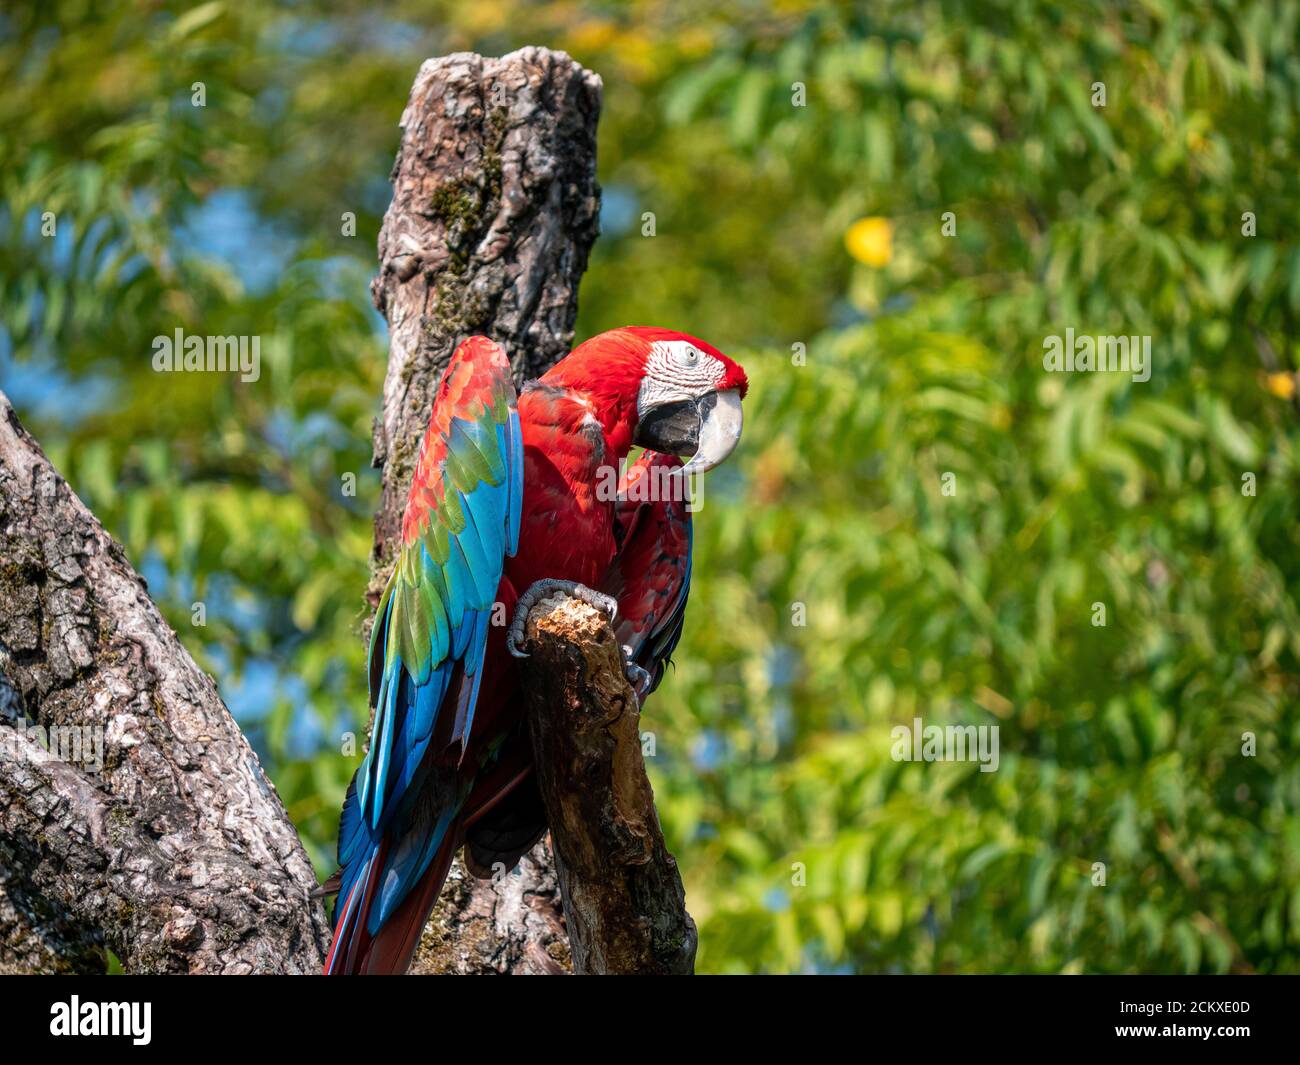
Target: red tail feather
{"x":355,"y":951}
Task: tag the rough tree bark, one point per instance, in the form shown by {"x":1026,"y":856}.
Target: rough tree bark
{"x":175,"y":851}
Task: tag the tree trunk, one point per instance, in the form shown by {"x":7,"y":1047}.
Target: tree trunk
{"x":494,"y":212}
{"x":147,"y":824}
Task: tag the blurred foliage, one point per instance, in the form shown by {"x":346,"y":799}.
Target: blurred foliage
{"x":808,"y":240}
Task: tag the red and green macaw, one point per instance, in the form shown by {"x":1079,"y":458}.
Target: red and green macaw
{"x":510,"y":501}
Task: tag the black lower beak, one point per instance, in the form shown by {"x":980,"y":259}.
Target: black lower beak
{"x":674,"y":428}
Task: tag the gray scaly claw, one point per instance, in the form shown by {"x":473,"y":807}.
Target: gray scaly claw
{"x":545,"y":588}
{"x":636,"y":676}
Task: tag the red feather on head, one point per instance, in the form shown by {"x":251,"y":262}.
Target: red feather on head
{"x":616,"y":361}
{"x":609,"y":368}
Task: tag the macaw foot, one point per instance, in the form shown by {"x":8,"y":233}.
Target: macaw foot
{"x":543,"y":589}
{"x":636,"y":676}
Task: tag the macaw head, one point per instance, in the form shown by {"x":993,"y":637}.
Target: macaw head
{"x":660,"y":389}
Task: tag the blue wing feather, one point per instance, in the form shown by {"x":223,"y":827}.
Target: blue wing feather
{"x":433,"y":621}
{"x":515,"y":468}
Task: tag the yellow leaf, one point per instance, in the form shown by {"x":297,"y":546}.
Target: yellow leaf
{"x":871,"y":241}
{"x":1281,"y":385}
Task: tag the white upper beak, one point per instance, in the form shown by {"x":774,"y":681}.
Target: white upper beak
{"x":719,"y":434}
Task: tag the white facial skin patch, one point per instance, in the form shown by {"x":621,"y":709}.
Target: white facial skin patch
{"x":677,"y":370}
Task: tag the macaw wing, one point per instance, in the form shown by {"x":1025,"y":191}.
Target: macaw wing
{"x":651,"y":574}
{"x":431,"y":628}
